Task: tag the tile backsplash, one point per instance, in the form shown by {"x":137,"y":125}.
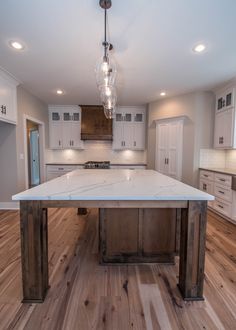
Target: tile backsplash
{"x":212,"y":158}
{"x":218,"y":158}
{"x":230,"y":159}
{"x":95,"y":150}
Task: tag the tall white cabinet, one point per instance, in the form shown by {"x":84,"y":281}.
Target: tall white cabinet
{"x":169,"y":146}
{"x":129,"y":128}
{"x":65,"y":127}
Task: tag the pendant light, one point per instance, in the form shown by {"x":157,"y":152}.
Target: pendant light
{"x":106,"y":70}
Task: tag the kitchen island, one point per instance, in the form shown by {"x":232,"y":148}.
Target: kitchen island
{"x":141,"y":200}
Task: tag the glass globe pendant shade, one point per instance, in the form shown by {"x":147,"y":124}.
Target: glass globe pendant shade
{"x":105,"y":71}
{"x":107,"y":91}
{"x":109,"y":113}
{"x":109,"y":101}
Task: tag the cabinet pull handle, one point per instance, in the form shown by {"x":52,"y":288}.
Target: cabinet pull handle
{"x":222,"y":180}
{"x":205,"y":175}
{"x":220,"y":206}
{"x":124,"y":143}
{"x":167,"y":161}
{"x":135,"y":143}
{"x":72,"y":143}
{"x":221,"y":192}
{"x":59,"y":142}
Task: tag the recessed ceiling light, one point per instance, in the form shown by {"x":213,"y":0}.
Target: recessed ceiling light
{"x":59,"y":92}
{"x":199,"y":48}
{"x":163,"y":93}
{"x":16,"y":45}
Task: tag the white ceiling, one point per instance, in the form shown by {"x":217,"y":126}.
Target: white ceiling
{"x":153,"y":43}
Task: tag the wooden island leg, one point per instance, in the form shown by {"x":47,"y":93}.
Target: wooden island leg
{"x":34,"y":251}
{"x":192,"y":250}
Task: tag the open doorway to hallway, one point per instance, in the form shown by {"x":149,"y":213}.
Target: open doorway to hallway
{"x":33,"y":149}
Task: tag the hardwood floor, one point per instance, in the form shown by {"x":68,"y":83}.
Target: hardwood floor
{"x":85,"y":295}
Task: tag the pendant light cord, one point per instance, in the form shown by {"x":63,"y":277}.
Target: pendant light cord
{"x":105,"y":33}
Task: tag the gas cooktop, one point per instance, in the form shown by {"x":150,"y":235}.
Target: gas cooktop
{"x":94,"y":164}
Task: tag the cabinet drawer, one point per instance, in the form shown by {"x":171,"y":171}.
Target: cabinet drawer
{"x":222,"y":207}
{"x":207,"y":186}
{"x":62,"y":168}
{"x":223,"y":192}
{"x":207,"y":175}
{"x":223,"y":179}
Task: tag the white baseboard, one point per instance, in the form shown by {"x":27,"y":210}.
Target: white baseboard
{"x":9,"y":205}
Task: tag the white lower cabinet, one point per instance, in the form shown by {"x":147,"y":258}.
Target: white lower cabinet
{"x":55,"y":171}
{"x":219,"y":185}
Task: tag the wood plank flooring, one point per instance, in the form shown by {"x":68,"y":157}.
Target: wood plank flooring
{"x":85,"y":295}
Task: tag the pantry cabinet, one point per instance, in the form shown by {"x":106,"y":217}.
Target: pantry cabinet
{"x":169,"y":145}
{"x":129,"y":128}
{"x":65,"y":127}
{"x":8,"y":103}
{"x":224,"y":132}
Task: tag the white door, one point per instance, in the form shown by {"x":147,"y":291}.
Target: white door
{"x":228,"y":122}
{"x":56,"y":135}
{"x":128,"y":133}
{"x":174,"y":150}
{"x":223,"y":135}
{"x":139,"y":136}
{"x":162,"y":137}
{"x":66,"y":134}
{"x":118,"y":131}
{"x":218,"y":134}
{"x":169,"y":142}
{"x":75,"y":135}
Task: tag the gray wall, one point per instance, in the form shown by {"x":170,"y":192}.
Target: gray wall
{"x":12,"y":168}
{"x":198,"y":128}
{"x":8,"y":166}
{"x":27,"y":104}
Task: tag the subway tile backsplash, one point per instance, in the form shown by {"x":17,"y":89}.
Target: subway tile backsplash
{"x":212,"y":158}
{"x":218,"y":158}
{"x":230,"y":159}
{"x":95,"y":150}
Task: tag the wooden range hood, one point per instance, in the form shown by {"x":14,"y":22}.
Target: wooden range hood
{"x":94,"y":124}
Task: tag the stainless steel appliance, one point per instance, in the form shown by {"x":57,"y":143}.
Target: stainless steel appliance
{"x":97,"y":165}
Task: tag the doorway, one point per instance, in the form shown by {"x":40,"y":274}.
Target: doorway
{"x":33,"y":153}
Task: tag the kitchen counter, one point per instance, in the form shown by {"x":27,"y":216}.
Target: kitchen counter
{"x":113,"y":185}
{"x":229,"y":171}
{"x":112,"y":164}
{"x":139,"y":221}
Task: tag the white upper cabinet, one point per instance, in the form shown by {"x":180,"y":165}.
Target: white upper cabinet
{"x":224,"y":132}
{"x":65,"y":127}
{"x":129,"y":128}
{"x":8,"y":101}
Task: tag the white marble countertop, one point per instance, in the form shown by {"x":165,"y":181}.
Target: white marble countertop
{"x":230,"y":171}
{"x":114,"y":184}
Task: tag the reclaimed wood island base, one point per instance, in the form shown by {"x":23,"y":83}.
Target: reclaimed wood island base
{"x":130,"y":230}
